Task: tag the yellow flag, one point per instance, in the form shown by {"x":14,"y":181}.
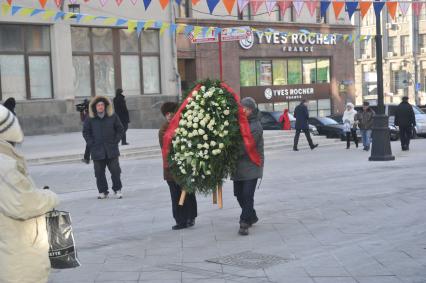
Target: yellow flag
{"x":110,"y":21}
{"x":88,"y":18}
{"x":180,"y":28}
{"x":131,"y":26}
{"x":5,"y":9}
{"x":26,"y":11}
{"x":148,"y":24}
{"x":197,"y":31}
{"x":68,"y":16}
{"x":164,"y":27}
{"x":48,"y":14}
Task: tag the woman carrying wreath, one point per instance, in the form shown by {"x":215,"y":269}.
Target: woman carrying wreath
{"x":285,"y":120}
{"x":246,"y":174}
{"x":184,"y":215}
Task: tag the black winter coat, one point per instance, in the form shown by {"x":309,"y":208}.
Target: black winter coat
{"x":301,"y":114}
{"x":120,"y":108}
{"x":404,"y":115}
{"x":102,"y":135}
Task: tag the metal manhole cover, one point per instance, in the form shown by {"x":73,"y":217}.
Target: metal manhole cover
{"x":249,"y":260}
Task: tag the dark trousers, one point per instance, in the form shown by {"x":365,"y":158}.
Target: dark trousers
{"x":123,"y":138}
{"x":308,"y":137}
{"x":115,"y":170}
{"x":87,"y":153}
{"x":405,"y":136}
{"x":348,"y":138}
{"x":244,"y":191}
{"x":189,"y":209}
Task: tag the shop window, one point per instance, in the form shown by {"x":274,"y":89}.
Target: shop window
{"x":313,"y":108}
{"x":309,"y":71}
{"x":324,"y":107}
{"x":280,"y":106}
{"x":264,"y":72}
{"x":292,"y":105}
{"x":294,"y":71}
{"x":247,"y":72}
{"x":279,"y":71}
{"x":265,"y":107}
{"x":104,"y":59}
{"x":25,"y":62}
{"x":323,"y":70}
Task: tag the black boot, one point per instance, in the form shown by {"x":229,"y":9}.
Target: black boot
{"x":243,"y":229}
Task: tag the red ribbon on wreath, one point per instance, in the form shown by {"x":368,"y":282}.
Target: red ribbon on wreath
{"x":248,"y":140}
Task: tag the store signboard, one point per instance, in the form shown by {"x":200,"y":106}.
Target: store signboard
{"x":236,"y":33}
{"x":209,"y":37}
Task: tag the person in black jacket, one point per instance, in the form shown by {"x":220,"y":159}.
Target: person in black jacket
{"x":301,"y":114}
{"x":405,"y":120}
{"x":120,"y":108}
{"x":102,"y":132}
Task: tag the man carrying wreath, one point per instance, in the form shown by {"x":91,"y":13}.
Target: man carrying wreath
{"x":184,"y":215}
{"x":246,"y":173}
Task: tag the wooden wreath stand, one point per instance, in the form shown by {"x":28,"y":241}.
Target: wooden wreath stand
{"x":217,"y":197}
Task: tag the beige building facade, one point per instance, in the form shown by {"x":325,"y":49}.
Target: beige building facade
{"x":404,"y":58}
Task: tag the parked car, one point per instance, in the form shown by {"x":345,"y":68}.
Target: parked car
{"x":329,"y":127}
{"x":271,"y":121}
{"x":394,"y":131}
{"x":419,"y":129}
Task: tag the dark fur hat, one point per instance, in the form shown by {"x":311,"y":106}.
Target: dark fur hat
{"x":169,"y":107}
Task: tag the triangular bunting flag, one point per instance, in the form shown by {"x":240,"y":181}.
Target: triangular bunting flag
{"x":42,"y":3}
{"x":79,"y":17}
{"x":188,"y":29}
{"x":164,"y":3}
{"x":392,"y":9}
{"x":417,"y":7}
{"x":131,"y":26}
{"x":58,"y":3}
{"x":48,"y":14}
{"x":270,"y":4}
{"x":26,"y":11}
{"x":121,"y":22}
{"x":195,"y":2}
{"x":15,"y":9}
{"x":178,"y":2}
{"x":229,"y":5}
{"x":58,"y":16}
{"x":197,"y":31}
{"x":351,"y":8}
{"x":5,"y":9}
{"x":148,"y":24}
{"x":284,"y":5}
{"x":119,"y":2}
{"x":312,"y":6}
{"x":36,"y":12}
{"x":172,"y":29}
{"x":403,"y":7}
{"x":88,"y":18}
{"x":324,"y":8}
{"x":134,"y":2}
{"x":298,"y":5}
{"x":378,"y":6}
{"x":337,"y":7}
{"x":180,"y":28}
{"x":139,"y":27}
{"x":103,"y":2}
{"x":364,"y":6}
{"x":255,"y":5}
{"x":242,"y":4}
{"x":164,"y":27}
{"x":9,"y":2}
{"x":146,"y":3}
{"x":212,"y":4}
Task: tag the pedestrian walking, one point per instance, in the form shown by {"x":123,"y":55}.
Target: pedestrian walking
{"x":405,"y":120}
{"x":350,"y":125}
{"x":24,"y":246}
{"x":120,"y":108}
{"x":83,"y":108}
{"x":301,"y":114}
{"x":102,"y":132}
{"x":247,"y":173}
{"x":365,"y":123}
{"x":10,"y":104}
{"x":184,"y":215}
{"x":285,"y":120}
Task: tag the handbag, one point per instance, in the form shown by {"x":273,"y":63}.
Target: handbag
{"x":62,"y":251}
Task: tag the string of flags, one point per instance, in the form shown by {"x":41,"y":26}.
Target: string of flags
{"x":190,"y":31}
{"x":283,"y":5}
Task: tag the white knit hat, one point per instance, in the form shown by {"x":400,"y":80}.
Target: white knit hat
{"x":10,"y":130}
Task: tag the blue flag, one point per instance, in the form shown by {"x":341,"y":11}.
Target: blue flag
{"x":146,"y":3}
{"x":212,"y":4}
{"x":324,"y":8}
{"x":351,"y":8}
{"x":139,"y":27}
{"x":15,"y":9}
{"x":378,"y":6}
{"x":36,"y":12}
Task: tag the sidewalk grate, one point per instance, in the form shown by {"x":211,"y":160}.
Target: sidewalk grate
{"x":249,"y":260}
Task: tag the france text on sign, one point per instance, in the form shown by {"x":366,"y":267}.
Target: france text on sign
{"x":237,"y":33}
{"x":208,"y":37}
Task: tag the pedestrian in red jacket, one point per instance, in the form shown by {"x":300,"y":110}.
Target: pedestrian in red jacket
{"x":285,"y":120}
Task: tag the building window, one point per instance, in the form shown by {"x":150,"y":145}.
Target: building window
{"x":284,"y":71}
{"x":369,"y":83}
{"x":373,"y":48}
{"x":25,"y":62}
{"x":363,"y":47}
{"x":392,"y":44}
{"x":422,"y":16}
{"x":105,"y":59}
{"x":398,"y":83}
{"x":405,"y":45}
{"x":422,"y":40}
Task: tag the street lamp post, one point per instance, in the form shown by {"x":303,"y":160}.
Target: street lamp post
{"x":381,"y":148}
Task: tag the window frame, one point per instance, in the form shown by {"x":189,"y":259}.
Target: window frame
{"x":116,"y":53}
{"x":26,"y":53}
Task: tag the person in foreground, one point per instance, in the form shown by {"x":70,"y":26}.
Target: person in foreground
{"x":247,"y":173}
{"x":24,"y":242}
{"x":301,"y":114}
{"x":184,"y":215}
{"x":350,"y":125}
{"x":405,"y":119}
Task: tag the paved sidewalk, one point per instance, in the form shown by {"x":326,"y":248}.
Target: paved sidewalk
{"x":326,"y":216}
